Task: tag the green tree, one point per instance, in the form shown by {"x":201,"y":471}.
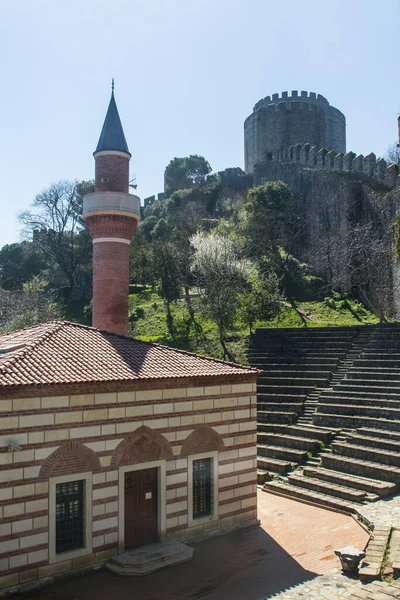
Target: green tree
{"x":166,"y":269}
{"x":183,"y":173}
{"x":261,"y":301}
{"x":19,"y":263}
{"x":273,"y":224}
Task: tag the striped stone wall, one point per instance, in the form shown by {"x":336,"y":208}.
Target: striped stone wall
{"x":92,"y":433}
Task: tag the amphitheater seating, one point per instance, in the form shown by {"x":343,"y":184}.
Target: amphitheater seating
{"x":329,"y":407}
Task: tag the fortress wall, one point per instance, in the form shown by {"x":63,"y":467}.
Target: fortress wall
{"x":333,"y":203}
{"x":321,"y":158}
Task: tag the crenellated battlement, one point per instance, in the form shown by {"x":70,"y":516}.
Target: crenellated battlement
{"x":281,"y":120}
{"x":321,"y":158}
{"x":303,"y":98}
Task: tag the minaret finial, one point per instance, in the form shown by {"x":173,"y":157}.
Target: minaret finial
{"x":112,"y":85}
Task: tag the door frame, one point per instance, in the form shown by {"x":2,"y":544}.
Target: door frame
{"x":161,"y":466}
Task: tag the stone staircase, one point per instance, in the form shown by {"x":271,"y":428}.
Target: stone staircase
{"x":329,"y":413}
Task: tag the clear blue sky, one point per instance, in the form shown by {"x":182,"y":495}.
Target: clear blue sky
{"x":187,"y":75}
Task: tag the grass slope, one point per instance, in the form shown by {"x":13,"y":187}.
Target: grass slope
{"x":148,"y":323}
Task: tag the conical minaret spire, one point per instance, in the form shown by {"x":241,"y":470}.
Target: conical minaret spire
{"x":111,"y":214}
{"x":112,"y":135}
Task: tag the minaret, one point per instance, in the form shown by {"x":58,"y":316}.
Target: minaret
{"x":111,"y":214}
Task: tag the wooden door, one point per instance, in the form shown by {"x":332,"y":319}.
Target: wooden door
{"x":141,"y":508}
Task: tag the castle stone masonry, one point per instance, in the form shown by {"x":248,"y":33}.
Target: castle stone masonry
{"x":301,"y":140}
{"x":283,"y":121}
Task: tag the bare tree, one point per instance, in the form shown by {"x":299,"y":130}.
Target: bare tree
{"x":220,"y":275}
{"x":370,"y":263}
{"x":393,"y":154}
{"x":57,"y":228}
{"x":31,"y":306}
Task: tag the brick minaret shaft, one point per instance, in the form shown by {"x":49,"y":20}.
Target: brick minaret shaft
{"x":111,"y":215}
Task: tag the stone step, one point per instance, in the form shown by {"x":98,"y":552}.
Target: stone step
{"x":315,"y":363}
{"x":296,"y":407}
{"x":292,"y":491}
{"x":374,"y":442}
{"x":353,"y":422}
{"x":262,"y":477}
{"x":371,"y":486}
{"x":371,"y":385}
{"x":377,"y":364}
{"x":288,"y":418}
{"x":331,"y":489}
{"x":306,"y":382}
{"x":287,"y":441}
{"x":376,"y":355}
{"x":276,"y":398}
{"x":371,"y":565}
{"x":362,"y":410}
{"x":359,"y":467}
{"x":354,"y":401}
{"x":308,"y":431}
{"x":377,"y":455}
{"x":381,"y":369}
{"x":150,"y":558}
{"x":294,"y":374}
{"x":365,"y":374}
{"x":282,"y":453}
{"x":359,"y":393}
{"x":284,"y":389}
{"x":273,"y":465}
{"x":385,"y":433}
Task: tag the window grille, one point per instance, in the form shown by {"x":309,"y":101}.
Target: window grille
{"x":202,"y":487}
{"x":70,"y":507}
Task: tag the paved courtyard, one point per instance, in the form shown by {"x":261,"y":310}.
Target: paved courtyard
{"x":295,"y":543}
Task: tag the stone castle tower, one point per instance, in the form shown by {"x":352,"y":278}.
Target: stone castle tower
{"x":111,"y":214}
{"x":284,"y":121}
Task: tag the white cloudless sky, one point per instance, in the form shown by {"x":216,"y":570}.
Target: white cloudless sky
{"x":187,"y":74}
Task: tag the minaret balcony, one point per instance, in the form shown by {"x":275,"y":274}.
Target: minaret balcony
{"x":111,"y":203}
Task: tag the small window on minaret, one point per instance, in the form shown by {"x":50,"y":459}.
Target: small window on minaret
{"x":105,"y":180}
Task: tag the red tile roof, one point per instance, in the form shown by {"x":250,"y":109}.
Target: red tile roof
{"x":61,"y":352}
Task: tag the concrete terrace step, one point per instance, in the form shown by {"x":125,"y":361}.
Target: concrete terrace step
{"x":384,"y":433}
{"x":331,"y":489}
{"x":306,"y":382}
{"x":307,"y":431}
{"x":371,"y":385}
{"x":281,"y":452}
{"x":355,"y":401}
{"x":371,"y":486}
{"x":292,"y":491}
{"x":359,"y":467}
{"x":374,"y":442}
{"x":353,"y":421}
{"x":389,"y":376}
{"x":287,"y":441}
{"x":378,"y":455}
{"x":284,"y":389}
{"x":337,"y":390}
{"x":296,"y":407}
{"x":276,"y":398}
{"x":297,"y":373}
{"x":361,"y":410}
{"x":273,"y":465}
{"x":277,"y":362}
{"x":287,"y":418}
